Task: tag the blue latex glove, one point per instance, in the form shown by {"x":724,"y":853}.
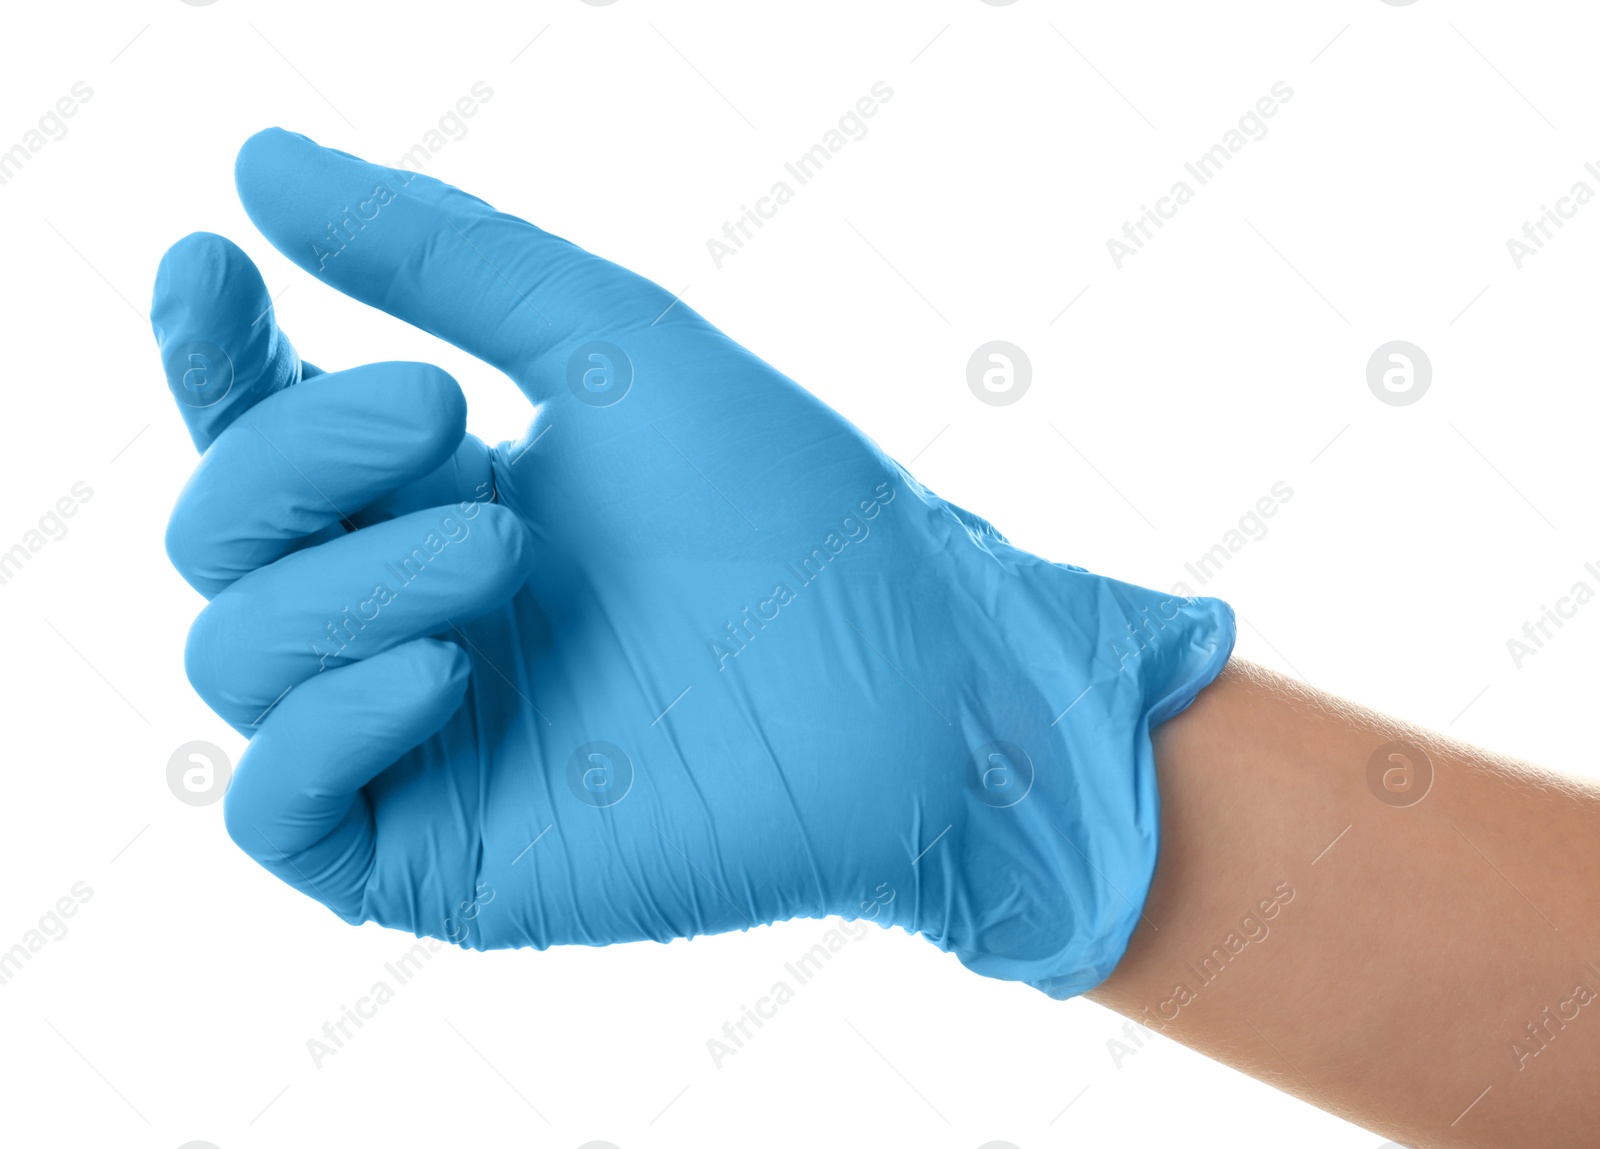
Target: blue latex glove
{"x":691,"y":655}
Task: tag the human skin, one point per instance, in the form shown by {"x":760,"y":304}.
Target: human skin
{"x":1411,"y":941}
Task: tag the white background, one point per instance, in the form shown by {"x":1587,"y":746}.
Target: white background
{"x":1227,"y":356}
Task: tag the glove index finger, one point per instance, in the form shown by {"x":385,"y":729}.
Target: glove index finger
{"x":220,"y":343}
{"x":430,"y":254}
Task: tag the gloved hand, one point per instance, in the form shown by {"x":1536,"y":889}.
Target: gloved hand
{"x":690,"y":655}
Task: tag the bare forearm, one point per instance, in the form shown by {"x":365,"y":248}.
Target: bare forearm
{"x":1422,"y":959}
